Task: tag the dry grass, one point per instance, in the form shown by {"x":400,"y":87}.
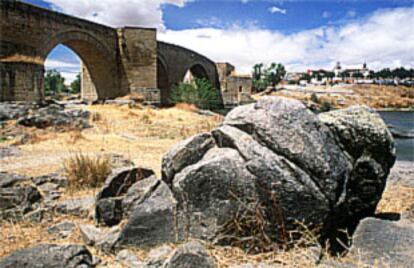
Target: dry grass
{"x":396,"y":199}
{"x":85,"y":171}
{"x":186,"y":107}
{"x":142,"y":135}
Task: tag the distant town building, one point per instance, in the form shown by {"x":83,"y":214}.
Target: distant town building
{"x":351,"y":74}
{"x":293,"y":77}
{"x":236,"y":88}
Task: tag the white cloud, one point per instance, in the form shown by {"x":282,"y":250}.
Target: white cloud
{"x":145,"y":13}
{"x":57,"y":64}
{"x":384,"y":39}
{"x":326,"y":14}
{"x":211,"y":22}
{"x":275,"y":9}
{"x":69,"y":70}
{"x":351,"y":14}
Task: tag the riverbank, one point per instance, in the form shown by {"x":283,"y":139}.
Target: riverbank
{"x":378,"y":97}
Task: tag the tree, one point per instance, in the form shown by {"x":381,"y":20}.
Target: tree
{"x":54,"y":83}
{"x":275,"y":74}
{"x":199,"y":92}
{"x":259,"y":82}
{"x":267,"y":76}
{"x":75,"y":86}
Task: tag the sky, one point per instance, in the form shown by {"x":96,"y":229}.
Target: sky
{"x":300,"y":34}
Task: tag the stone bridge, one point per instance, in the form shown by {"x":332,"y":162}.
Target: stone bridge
{"x":115,"y":62}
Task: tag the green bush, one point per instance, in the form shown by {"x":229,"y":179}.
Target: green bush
{"x":54,"y":83}
{"x":314,"y":98}
{"x":326,"y":106}
{"x":200,"y":92}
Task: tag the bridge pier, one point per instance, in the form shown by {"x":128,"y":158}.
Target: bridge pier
{"x":21,"y":81}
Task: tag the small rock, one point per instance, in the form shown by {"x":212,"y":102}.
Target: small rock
{"x":191,"y":254}
{"x":402,"y":174}
{"x":384,"y":243}
{"x":56,"y":178}
{"x":108,"y":240}
{"x":75,"y":206}
{"x":63,"y":229}
{"x":257,"y":265}
{"x":409,"y":214}
{"x":10,"y":179}
{"x":90,"y":234}
{"x":118,"y":161}
{"x":129,"y":259}
{"x":49,"y":256}
{"x":158,"y":256}
{"x":9,"y":151}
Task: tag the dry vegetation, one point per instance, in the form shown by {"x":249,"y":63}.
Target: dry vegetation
{"x":143,"y":136}
{"x":375,"y":96}
{"x":85,"y":171}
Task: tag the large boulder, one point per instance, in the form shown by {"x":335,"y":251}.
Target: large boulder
{"x":152,"y":221}
{"x":184,"y":154}
{"x":277,"y":161}
{"x":49,"y":256}
{"x":369,"y":145}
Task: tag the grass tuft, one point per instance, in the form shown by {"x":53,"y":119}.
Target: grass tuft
{"x":86,"y":171}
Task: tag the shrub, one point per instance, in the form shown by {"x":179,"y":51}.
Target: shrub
{"x":200,"y":93}
{"x":326,"y":106}
{"x":85,"y":171}
{"x":314,"y":98}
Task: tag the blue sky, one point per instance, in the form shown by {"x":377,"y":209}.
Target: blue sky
{"x":300,"y":34}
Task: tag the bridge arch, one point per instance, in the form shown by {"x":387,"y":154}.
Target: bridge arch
{"x":162,"y":79}
{"x":197,"y":71}
{"x":98,"y":63}
{"x":178,"y":61}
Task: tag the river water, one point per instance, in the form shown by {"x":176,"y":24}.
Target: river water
{"x":402,"y":122}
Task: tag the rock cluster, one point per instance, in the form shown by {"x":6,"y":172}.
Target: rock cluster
{"x":274,"y":163}
{"x":17,"y":199}
{"x":324,"y":171}
{"x":43,"y":115}
{"x":55,"y":115}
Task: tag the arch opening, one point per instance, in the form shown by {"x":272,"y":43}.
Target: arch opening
{"x":62,"y":67}
{"x":196,"y":71}
{"x":97,"y":68}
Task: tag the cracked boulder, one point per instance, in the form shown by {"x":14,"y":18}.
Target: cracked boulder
{"x":326,"y":172}
{"x":109,"y":201}
{"x":152,"y":222}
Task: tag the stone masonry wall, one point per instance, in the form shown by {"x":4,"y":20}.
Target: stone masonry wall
{"x":138,"y":53}
{"x":21,"y":81}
